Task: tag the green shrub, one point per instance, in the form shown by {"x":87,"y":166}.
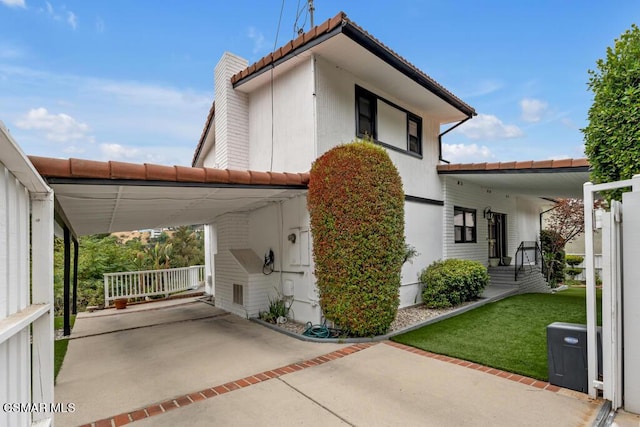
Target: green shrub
{"x":356,"y":205}
{"x":452,"y":282}
{"x":277,"y":308}
{"x":574,"y":260}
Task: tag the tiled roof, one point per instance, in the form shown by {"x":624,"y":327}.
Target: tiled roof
{"x":203,"y":136}
{"x":112,"y":170}
{"x":514,"y":166}
{"x":338,"y":21}
{"x":341,"y":20}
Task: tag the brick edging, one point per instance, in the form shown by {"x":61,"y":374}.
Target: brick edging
{"x":465,"y":363}
{"x":187,"y":399}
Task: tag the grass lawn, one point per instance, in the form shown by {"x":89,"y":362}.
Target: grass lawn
{"x":60,"y":346}
{"x":509,"y":334}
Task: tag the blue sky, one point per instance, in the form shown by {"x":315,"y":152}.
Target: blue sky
{"x":133,"y":80}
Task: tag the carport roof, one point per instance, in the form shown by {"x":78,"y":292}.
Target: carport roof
{"x":103,"y":197}
{"x":546,"y":178}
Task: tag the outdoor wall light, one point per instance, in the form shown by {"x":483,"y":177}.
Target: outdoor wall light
{"x":292,"y":237}
{"x":487,"y":214}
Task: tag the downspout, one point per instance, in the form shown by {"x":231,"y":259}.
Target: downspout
{"x":548,"y":210}
{"x":315,"y":105}
{"x":444,"y":133}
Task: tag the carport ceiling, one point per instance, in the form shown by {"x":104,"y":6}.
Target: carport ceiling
{"x":100,"y":208}
{"x":105,"y":197}
{"x":551,"y":185}
{"x":548,"y":178}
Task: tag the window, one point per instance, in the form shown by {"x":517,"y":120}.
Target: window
{"x":413,"y":134}
{"x":366,"y":106}
{"x":387,"y":123}
{"x":238,"y":294}
{"x":464,"y":225}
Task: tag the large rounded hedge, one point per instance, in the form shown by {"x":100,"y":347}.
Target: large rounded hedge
{"x":356,"y":203}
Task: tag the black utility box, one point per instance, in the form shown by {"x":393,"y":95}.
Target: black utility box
{"x":567,"y":355}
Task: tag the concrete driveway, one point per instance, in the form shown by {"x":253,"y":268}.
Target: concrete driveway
{"x":193,"y":364}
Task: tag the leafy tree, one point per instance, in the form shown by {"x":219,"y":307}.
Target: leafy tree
{"x":187,"y":247}
{"x":612,"y":137}
{"x":105,"y":253}
{"x":567,"y":220}
{"x":564,"y":224}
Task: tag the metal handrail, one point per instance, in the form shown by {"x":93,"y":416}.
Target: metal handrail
{"x":522,"y":250}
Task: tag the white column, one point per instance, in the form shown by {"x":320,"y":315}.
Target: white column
{"x":210,"y":249}
{"x":42,"y":293}
{"x":631,"y":292}
{"x":592,"y":354}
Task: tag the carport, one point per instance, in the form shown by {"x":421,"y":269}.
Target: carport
{"x":545,"y":179}
{"x":93,"y":197}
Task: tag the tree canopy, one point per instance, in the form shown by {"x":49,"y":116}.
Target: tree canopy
{"x":612,"y":137}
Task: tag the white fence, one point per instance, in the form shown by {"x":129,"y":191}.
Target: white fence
{"x":137,"y":284}
{"x":26,"y":288}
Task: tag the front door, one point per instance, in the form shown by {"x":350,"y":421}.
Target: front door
{"x":498,"y":236}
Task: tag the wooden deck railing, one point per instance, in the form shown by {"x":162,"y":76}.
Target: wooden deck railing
{"x":139,"y":284}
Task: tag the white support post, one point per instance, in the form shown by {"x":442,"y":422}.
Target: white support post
{"x":592,"y":351}
{"x":42,"y":293}
{"x":210,"y":249}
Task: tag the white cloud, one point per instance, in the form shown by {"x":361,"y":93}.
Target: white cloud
{"x":462,"y":153}
{"x":14,"y":3}
{"x":163,"y":122}
{"x":258,"y":39}
{"x":119,"y":152}
{"x":72,"y":20}
{"x":8,"y":51}
{"x":484,"y":87}
{"x":533,"y":109}
{"x":487,"y":126}
{"x":567,"y":122}
{"x":56,"y":127}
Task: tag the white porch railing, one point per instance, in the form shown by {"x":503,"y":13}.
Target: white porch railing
{"x":137,"y":284}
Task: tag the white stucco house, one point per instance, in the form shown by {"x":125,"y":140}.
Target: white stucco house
{"x":327,"y":87}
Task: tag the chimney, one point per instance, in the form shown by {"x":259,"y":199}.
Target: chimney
{"x":232,"y":116}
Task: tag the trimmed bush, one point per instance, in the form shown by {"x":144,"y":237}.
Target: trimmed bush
{"x":356,"y":204}
{"x":452,"y":282}
{"x":553,"y":255}
{"x":574,"y":260}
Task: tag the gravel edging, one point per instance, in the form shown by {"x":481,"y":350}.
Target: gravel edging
{"x":408,"y":321}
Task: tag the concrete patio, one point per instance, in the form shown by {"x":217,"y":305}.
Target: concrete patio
{"x":185,"y":362}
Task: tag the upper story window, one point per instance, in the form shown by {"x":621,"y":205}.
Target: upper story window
{"x":387,"y":123}
{"x":464,"y":225}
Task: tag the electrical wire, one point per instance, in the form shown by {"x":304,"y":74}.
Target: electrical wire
{"x":275,"y":43}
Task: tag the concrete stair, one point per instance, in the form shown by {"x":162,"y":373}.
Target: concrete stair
{"x":530,"y":279}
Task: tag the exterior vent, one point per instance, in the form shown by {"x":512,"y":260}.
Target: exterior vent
{"x":238,"y":294}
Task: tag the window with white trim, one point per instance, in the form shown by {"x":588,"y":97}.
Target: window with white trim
{"x":464,"y":225}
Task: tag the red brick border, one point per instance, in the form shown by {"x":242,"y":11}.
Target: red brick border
{"x":464,"y":363}
{"x":188,"y":399}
